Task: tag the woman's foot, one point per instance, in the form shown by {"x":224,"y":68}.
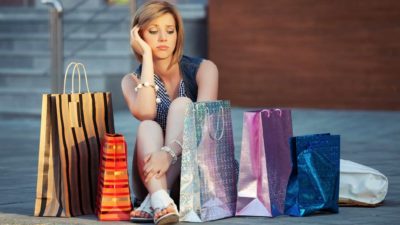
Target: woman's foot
{"x":164,"y":207}
{"x":169,"y":209}
{"x":144,"y":213}
{"x":139,"y":214}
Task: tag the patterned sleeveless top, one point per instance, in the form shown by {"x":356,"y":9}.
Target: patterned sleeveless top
{"x":187,"y":87}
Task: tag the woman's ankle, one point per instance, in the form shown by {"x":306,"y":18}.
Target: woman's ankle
{"x":161,"y":199}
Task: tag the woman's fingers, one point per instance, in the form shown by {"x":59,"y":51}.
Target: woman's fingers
{"x":149,"y":176}
{"x":160,"y":173}
{"x":147,"y":158}
{"x":157,"y":173}
{"x":133,"y":31}
{"x":147,"y":171}
{"x":147,"y":168}
{"x":153,"y":167}
{"x":135,"y":34}
{"x":136,"y":40}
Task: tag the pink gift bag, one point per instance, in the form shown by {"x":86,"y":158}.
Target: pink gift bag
{"x":264,"y":163}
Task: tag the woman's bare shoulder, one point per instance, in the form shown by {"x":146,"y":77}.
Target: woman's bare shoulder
{"x":207,"y":63}
{"x":207,"y":69}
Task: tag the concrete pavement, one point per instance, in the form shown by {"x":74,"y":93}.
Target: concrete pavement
{"x":368,"y":137}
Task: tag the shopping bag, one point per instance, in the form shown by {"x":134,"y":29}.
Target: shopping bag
{"x":113,"y":194}
{"x":209,"y":169}
{"x":72,"y":126}
{"x":264,"y":163}
{"x":361,"y":185}
{"x":314,"y":181}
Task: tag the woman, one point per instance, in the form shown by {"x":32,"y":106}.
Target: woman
{"x":157,"y":94}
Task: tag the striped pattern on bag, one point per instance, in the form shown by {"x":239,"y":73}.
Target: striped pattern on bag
{"x":113,"y":195}
{"x":72,"y":126}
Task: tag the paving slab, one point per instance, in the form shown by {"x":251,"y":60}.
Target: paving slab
{"x":367,"y":137}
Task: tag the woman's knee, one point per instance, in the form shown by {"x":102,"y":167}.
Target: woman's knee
{"x":179,"y":104}
{"x":147,"y":127}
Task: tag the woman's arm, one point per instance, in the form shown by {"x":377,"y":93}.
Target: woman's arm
{"x":128,"y":83}
{"x":142,"y":104}
{"x":207,"y":81}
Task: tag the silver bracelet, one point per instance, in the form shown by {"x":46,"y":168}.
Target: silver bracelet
{"x":171,"y":153}
{"x":177,"y":142}
{"x":147,"y":84}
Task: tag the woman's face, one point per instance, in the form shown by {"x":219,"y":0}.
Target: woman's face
{"x":161,"y":36}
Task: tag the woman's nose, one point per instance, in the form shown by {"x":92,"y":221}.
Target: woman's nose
{"x":163,"y":36}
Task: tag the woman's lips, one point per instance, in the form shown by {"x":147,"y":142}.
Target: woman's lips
{"x":162,"y":47}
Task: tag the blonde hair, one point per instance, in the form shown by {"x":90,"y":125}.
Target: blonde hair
{"x":152,"y":10}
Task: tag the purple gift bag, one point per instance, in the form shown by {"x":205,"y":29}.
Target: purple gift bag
{"x":264,"y":163}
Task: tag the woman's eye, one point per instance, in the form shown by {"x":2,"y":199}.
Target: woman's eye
{"x":170,"y":31}
{"x":152,"y":31}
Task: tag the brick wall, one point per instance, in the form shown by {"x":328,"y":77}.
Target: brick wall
{"x":307,"y":53}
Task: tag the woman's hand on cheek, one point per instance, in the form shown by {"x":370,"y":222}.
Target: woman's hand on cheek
{"x":156,"y":164}
{"x":138,"y":43}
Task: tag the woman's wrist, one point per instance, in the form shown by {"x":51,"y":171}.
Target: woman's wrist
{"x":171,"y":153}
{"x":147,"y":69}
{"x":176,"y":146}
{"x":147,"y":55}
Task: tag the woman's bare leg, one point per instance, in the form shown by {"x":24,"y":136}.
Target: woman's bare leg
{"x":149,"y":139}
{"x":174,"y":132}
{"x":147,"y":144}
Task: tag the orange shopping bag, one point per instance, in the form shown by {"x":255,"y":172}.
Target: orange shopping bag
{"x":113,"y":195}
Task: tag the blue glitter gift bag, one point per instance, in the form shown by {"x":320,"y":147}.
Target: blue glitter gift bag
{"x":314,"y":181}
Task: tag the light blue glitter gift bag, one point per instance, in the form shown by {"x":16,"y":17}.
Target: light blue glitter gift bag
{"x":209,"y":169}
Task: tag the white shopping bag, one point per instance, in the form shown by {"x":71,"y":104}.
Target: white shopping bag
{"x":361,"y":185}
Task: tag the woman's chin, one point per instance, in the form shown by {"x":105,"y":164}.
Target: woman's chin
{"x":162,"y":55}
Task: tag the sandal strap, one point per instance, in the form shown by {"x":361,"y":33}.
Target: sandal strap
{"x":161,"y":200}
{"x":146,"y":205}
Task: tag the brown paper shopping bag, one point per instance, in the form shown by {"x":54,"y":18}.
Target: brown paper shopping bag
{"x":72,"y":126}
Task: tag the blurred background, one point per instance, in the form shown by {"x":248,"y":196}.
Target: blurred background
{"x":336,"y":63}
{"x":304,"y":54}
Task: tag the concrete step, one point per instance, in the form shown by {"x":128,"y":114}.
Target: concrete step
{"x":77,"y":15}
{"x":105,"y":19}
{"x":31,"y":79}
{"x":118,"y":25}
{"x":78,"y":22}
{"x":24,"y":78}
{"x":97,"y":37}
{"x":72,"y":42}
{"x":73,"y":4}
{"x":18,"y":88}
{"x":107,"y":61}
{"x":21,"y":100}
{"x":187,"y":11}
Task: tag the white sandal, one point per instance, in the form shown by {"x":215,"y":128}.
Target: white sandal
{"x":161,"y":200}
{"x":144,"y":207}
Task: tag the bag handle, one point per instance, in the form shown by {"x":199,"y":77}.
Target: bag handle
{"x":76,"y":67}
{"x":221,"y":109}
{"x":269,"y":111}
{"x":280,"y":112}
